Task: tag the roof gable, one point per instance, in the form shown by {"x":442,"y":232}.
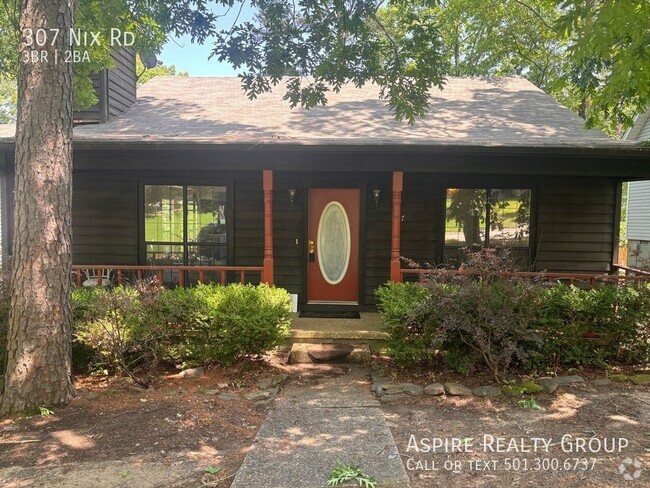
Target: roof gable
{"x":468,"y":111}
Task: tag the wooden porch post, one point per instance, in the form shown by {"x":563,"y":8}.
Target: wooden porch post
{"x":267,"y":274}
{"x":395,"y":265}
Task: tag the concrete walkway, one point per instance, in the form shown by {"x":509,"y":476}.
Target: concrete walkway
{"x":313,"y":427}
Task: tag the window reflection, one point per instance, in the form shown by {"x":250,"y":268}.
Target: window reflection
{"x":185,"y":225}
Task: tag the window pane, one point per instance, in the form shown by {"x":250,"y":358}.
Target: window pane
{"x":465,"y":217}
{"x":207,"y":255}
{"x":206,"y":214}
{"x":163,"y":213}
{"x":164,"y":255}
{"x":509,"y":218}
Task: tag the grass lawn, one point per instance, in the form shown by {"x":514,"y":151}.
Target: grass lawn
{"x":157,"y":228}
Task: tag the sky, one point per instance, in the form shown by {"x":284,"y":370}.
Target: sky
{"x":193,"y":58}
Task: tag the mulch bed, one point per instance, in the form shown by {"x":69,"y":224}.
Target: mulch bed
{"x":111,"y":419}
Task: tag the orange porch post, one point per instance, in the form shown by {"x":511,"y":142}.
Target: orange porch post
{"x":395,"y":265}
{"x":267,"y":273}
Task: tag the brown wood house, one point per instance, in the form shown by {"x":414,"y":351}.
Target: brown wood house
{"x":194,"y":182}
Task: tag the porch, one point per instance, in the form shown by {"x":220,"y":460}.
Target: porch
{"x":265,"y":226}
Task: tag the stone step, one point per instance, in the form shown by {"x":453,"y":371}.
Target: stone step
{"x":305,"y":352}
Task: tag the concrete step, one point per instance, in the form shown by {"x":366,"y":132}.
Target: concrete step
{"x":308,"y":352}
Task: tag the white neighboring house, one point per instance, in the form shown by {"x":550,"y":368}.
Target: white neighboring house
{"x":638,"y":203}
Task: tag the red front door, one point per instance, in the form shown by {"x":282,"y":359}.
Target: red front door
{"x":333,"y":246}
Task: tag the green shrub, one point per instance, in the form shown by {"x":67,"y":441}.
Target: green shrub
{"x":491,"y":320}
{"x":592,"y":326}
{"x":411,"y":338}
{"x":111,"y":322}
{"x":478,"y":318}
{"x":129,"y":327}
{"x":244,"y":320}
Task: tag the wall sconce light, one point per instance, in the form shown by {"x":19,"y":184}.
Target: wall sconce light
{"x":292,"y":196}
{"x":376,"y":195}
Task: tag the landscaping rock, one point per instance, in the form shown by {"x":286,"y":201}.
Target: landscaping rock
{"x":392,"y":389}
{"x":379,"y":374}
{"x":227,"y":396}
{"x":548,"y":384}
{"x":619,"y":378}
{"x":411,"y":389}
{"x":569,"y":380}
{"x":434,"y":389}
{"x":456,"y":389}
{"x":378,"y":388}
{"x":278,"y":379}
{"x":190,"y":373}
{"x":602,"y":382}
{"x":321,"y":353}
{"x":486,"y":391}
{"x":640,"y":379}
{"x":261,"y":394}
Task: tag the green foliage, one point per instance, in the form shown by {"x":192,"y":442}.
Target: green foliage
{"x":150,"y":22}
{"x":609,"y":54}
{"x":146,"y":74}
{"x":343,"y":473}
{"x":8,"y":100}
{"x":593,"y":326}
{"x":45,"y":412}
{"x":591,"y":57}
{"x":112,"y":322}
{"x":500,"y":322}
{"x":410,"y":340}
{"x":333,"y":44}
{"x":529,"y":404}
{"x":493,"y":319}
{"x":130,"y":327}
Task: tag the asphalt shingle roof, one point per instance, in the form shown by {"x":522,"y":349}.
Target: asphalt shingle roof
{"x":468,"y":111}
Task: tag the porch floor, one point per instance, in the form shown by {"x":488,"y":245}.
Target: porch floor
{"x":366,"y":328}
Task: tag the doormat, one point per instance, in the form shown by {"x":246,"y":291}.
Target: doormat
{"x":330,"y":315}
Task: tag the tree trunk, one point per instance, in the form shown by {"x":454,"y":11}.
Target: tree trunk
{"x":38,"y":346}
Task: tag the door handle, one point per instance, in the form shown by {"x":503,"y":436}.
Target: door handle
{"x":311,"y":249}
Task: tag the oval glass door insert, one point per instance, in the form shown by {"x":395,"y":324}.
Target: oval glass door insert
{"x":333,"y":243}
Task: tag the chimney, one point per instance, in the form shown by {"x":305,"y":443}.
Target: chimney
{"x":115,"y":89}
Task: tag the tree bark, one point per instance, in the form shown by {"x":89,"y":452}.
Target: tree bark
{"x":39,"y":337}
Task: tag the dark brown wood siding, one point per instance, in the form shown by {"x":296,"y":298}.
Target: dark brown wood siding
{"x":115,"y":89}
{"x":105,"y":218}
{"x":576,"y":224}
{"x":420,"y":218}
{"x":121,"y":82}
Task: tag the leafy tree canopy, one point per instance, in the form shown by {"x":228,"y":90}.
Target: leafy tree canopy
{"x":592,"y":56}
{"x":145,"y":74}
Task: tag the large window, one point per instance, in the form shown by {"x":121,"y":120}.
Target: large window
{"x":185,"y":225}
{"x":486,"y":217}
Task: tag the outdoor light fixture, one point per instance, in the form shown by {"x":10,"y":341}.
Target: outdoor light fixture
{"x":376,"y":195}
{"x":292,"y":196}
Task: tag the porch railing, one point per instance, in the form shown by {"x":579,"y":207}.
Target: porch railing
{"x":121,"y":274}
{"x":628,"y":271}
{"x":634,"y":276}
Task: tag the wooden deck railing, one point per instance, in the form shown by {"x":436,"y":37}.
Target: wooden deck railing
{"x":628,"y":271}
{"x":121,"y":274}
{"x":571,"y":278}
